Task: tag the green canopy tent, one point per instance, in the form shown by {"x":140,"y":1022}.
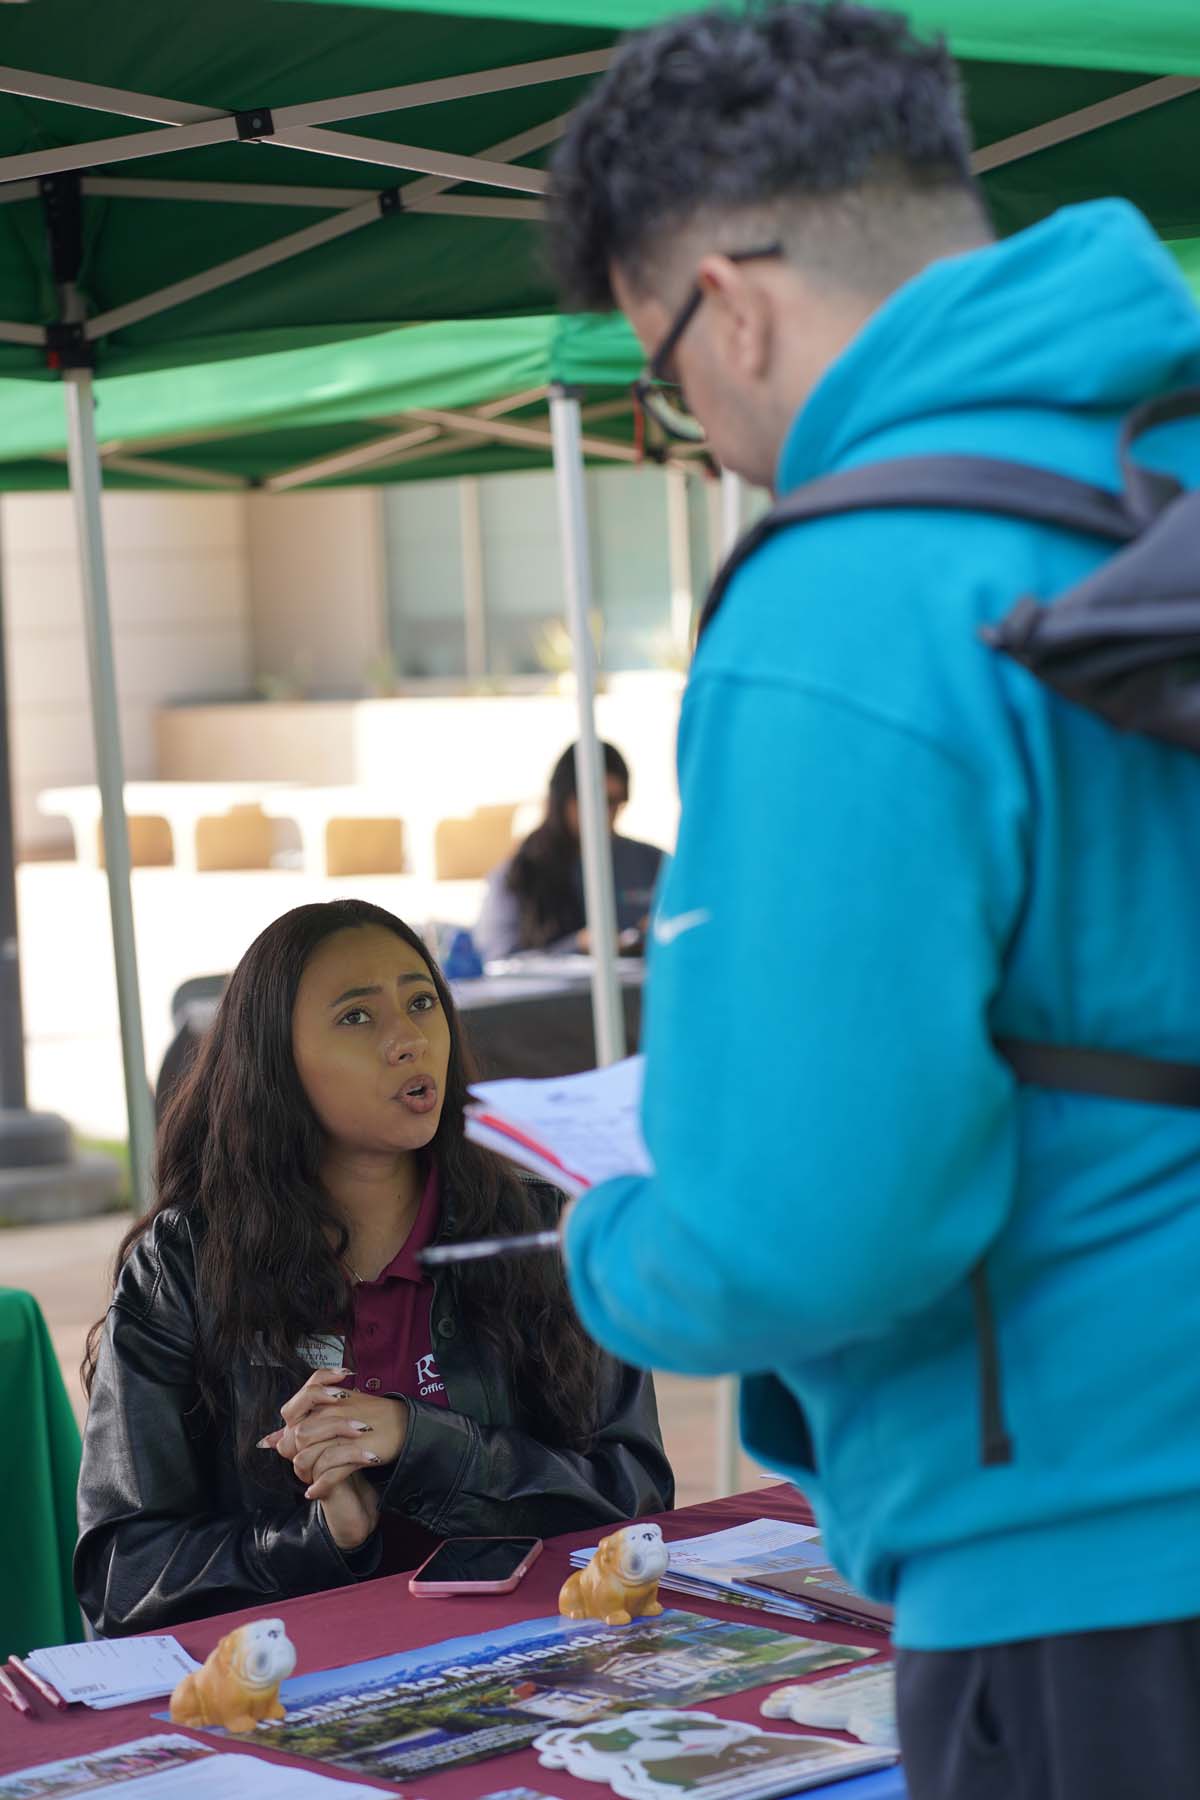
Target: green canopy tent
{"x":466,"y":397}
{"x":272,"y":231}
{"x":171,"y":196}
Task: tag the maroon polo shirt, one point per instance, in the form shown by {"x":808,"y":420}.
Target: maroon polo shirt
{"x":390,"y":1349}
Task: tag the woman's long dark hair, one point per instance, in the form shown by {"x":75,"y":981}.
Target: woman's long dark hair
{"x":544,"y":874}
{"x":239,"y":1152}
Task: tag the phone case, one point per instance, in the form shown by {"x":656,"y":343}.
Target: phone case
{"x":436,"y":1590}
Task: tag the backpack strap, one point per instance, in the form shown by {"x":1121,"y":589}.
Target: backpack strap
{"x":941,"y":483}
{"x":1148,"y":490}
{"x":1110,"y":1074}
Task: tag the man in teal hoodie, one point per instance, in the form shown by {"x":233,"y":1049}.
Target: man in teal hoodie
{"x":895,"y":847}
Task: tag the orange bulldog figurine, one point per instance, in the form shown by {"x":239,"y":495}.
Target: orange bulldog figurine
{"x":621,"y":1581}
{"x":239,"y":1683}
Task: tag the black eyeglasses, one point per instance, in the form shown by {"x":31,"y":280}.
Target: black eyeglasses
{"x":661,"y":398}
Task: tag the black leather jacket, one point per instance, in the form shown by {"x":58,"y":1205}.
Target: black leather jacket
{"x":171,"y":1528}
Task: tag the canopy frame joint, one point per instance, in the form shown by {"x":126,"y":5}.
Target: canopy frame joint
{"x":256,"y":122}
{"x":68,"y":348}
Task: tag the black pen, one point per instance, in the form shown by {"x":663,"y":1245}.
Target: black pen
{"x":478,"y":1248}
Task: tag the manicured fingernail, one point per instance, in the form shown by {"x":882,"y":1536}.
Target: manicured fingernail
{"x":370,"y":1456}
{"x":264,"y":1443}
{"x":359,"y":1426}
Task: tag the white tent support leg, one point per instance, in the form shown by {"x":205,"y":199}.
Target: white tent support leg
{"x":727,"y":1456}
{"x":679,"y":558}
{"x":599,"y":899}
{"x":731,"y":510}
{"x":84,"y":462}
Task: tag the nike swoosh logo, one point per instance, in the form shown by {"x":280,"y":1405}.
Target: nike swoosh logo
{"x":667,"y":930}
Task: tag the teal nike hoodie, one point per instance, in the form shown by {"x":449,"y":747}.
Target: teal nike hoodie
{"x":894,"y":845}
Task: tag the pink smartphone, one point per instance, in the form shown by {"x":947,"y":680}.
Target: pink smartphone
{"x":476,"y":1566}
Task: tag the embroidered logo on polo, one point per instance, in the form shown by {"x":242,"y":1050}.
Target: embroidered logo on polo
{"x":428,"y":1380}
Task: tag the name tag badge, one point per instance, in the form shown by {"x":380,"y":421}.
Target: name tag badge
{"x":322,"y":1352}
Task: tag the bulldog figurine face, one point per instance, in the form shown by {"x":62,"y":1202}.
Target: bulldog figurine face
{"x":239,"y":1683}
{"x":621,"y":1581}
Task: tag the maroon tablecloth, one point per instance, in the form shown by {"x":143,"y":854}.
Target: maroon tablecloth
{"x":378,"y":1618}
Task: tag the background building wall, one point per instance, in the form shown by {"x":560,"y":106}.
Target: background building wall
{"x":316,"y":589}
{"x":181,"y":624}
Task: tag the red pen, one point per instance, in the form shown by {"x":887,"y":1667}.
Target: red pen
{"x":16,"y":1699}
{"x":49,"y":1694}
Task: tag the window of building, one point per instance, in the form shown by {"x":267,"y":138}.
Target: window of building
{"x":474,"y":572}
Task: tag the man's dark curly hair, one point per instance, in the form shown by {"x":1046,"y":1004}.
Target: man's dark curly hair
{"x":724,"y":112}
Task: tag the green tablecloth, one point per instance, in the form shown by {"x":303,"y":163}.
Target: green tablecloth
{"x":39,"y":1467}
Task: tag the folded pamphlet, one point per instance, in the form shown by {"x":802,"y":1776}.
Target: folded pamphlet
{"x":768,"y":1565}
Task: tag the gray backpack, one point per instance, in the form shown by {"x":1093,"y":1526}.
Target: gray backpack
{"x":1124,"y":643}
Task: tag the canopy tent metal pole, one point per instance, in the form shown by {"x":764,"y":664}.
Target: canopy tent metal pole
{"x":504,"y":433}
{"x":84,"y":462}
{"x":187,"y":474}
{"x":731,"y":510}
{"x":417,"y":195}
{"x":599,"y":898}
{"x":1126,"y":105}
{"x":679,"y":557}
{"x":229,"y":193}
{"x":190,"y":127}
{"x":471,"y":562}
{"x":393,"y":448}
{"x":464,"y":429}
{"x":299,"y":126}
{"x":391,"y":452}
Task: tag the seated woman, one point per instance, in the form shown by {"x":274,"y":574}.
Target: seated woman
{"x":281,"y":1399}
{"x":535,"y":900}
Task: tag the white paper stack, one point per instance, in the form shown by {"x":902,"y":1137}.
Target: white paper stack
{"x":574,"y":1131}
{"x":114,"y":1671}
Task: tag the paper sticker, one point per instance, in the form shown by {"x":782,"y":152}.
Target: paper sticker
{"x":861,"y":1701}
{"x":656,"y":1754}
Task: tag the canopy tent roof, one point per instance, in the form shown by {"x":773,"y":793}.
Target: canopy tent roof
{"x":1159,"y":35}
{"x":460,"y":398}
{"x":463,"y":397}
{"x":193,"y":240}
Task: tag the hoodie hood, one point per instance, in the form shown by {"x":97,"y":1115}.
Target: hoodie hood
{"x":1085,"y":311}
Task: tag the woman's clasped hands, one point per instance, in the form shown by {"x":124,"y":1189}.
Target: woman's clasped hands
{"x":331,"y":1436}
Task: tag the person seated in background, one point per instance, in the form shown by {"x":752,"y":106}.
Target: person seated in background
{"x":281,"y":1399}
{"x":534,"y":901}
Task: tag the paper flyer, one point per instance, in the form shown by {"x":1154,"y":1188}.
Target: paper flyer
{"x":472,"y":1698}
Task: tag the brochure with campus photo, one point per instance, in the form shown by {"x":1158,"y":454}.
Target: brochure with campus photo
{"x":424,"y":1711}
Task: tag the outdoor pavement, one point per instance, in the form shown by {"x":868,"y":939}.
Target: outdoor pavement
{"x":67,"y":1268}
